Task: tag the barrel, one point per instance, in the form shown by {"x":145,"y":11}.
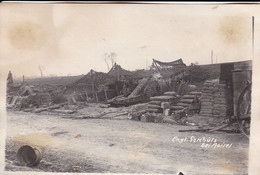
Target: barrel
{"x":29,"y":156}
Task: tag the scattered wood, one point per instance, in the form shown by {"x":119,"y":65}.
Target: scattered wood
{"x":99,"y":116}
{"x":219,"y":128}
{"x":189,"y":130}
{"x":38,"y":110}
{"x":28,"y":109}
{"x":14,"y":100}
{"x":63,"y":111}
{"x":73,"y":100}
{"x":54,"y":107}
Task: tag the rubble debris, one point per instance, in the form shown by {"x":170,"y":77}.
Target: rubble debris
{"x":169,"y":120}
{"x":101,"y":87}
{"x":147,"y":87}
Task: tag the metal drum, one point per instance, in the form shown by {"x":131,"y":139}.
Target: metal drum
{"x":29,"y":156}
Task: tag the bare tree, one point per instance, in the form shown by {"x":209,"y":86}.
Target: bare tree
{"x":41,"y":68}
{"x":106,"y":60}
{"x":110,"y":58}
{"x":113,"y":58}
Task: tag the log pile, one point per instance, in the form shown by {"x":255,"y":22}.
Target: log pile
{"x":155,"y":102}
{"x":186,"y":101}
{"x":213,"y":99}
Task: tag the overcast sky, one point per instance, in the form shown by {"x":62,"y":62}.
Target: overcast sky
{"x":72,"y":39}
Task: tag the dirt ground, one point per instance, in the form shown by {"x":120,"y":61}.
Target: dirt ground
{"x":120,"y":145}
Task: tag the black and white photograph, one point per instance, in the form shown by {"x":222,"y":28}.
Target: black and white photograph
{"x":136,"y":88}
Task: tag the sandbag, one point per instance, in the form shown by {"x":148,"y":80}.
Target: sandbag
{"x":170,"y":93}
{"x":206,"y":104}
{"x":189,"y":101}
{"x":206,"y":111}
{"x":220,"y":105}
{"x":207,"y":107}
{"x":183,"y":104}
{"x":162,"y":98}
{"x":207,"y":98}
{"x":168,"y":120}
{"x":177,"y":107}
{"x":194,"y":93}
{"x":155,"y":102}
{"x":221,"y":85}
{"x":153,"y":110}
{"x":220,"y":102}
{"x":189,"y":96}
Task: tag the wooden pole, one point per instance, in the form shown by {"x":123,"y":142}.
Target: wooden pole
{"x":87,"y":95}
{"x":92,"y":83}
{"x":253,"y":36}
{"x":117,"y":89}
{"x":96,"y":97}
{"x":212,"y":57}
{"x":105,"y":93}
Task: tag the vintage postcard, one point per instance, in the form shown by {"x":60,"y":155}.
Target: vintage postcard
{"x":147,"y":88}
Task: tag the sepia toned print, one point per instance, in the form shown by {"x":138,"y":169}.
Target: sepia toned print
{"x":128,"y":88}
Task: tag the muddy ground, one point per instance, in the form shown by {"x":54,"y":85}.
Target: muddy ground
{"x":120,"y":145}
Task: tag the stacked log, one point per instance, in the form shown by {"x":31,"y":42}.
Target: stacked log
{"x":186,"y":101}
{"x":154,"y":105}
{"x":213,"y":100}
